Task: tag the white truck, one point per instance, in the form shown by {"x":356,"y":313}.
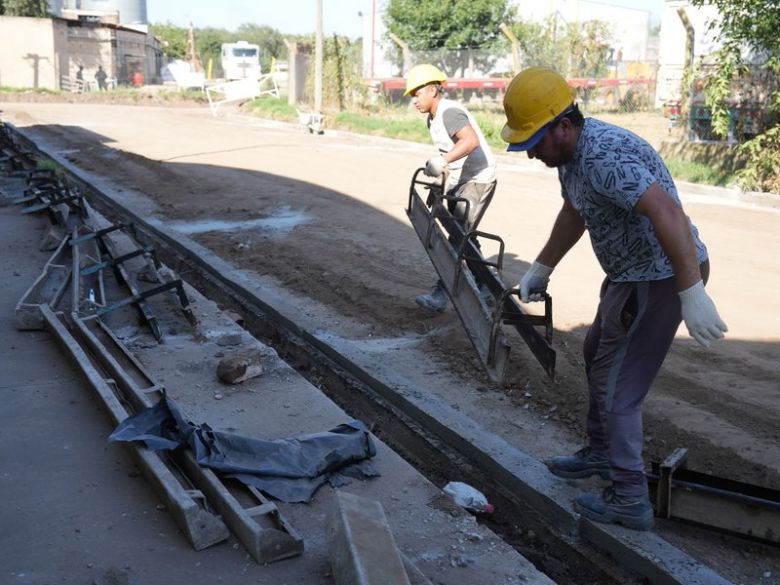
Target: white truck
{"x":240,"y":60}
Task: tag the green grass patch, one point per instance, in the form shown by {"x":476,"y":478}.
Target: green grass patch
{"x":273,"y":108}
{"x":399,"y":122}
{"x":45,"y":90}
{"x":49,"y":165}
{"x":390,"y":125}
{"x":405,"y":123}
{"x":491,"y":125}
{"x":697,"y":172}
{"x":192,"y":94}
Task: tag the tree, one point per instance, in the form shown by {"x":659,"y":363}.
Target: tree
{"x":576,"y":49}
{"x":589,"y":46}
{"x":209,"y":43}
{"x":174,"y":39}
{"x":35,"y":8}
{"x":451,"y":29}
{"x":749,"y":56}
{"x":270,"y":41}
{"x":342,"y":84}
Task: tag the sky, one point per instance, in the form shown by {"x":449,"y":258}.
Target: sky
{"x":294,"y":16}
{"x":287,"y":16}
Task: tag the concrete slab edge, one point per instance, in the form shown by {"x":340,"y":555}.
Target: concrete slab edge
{"x":361,"y":545}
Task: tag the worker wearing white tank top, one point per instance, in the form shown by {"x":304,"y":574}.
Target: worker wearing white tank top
{"x":463,"y":152}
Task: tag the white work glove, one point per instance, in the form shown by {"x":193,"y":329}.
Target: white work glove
{"x":700,"y":315}
{"x":435,"y":166}
{"x":534,"y":282}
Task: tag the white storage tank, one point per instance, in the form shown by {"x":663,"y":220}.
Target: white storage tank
{"x":56,"y":6}
{"x":130,"y":11}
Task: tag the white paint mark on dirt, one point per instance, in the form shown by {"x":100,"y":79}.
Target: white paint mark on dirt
{"x":282,"y":220}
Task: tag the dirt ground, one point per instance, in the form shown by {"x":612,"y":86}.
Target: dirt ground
{"x":322,"y":217}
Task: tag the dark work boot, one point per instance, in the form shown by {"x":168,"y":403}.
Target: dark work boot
{"x":583,"y":463}
{"x":436,"y":301}
{"x":611,"y":508}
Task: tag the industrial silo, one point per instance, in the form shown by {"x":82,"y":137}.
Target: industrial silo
{"x":130,"y":11}
{"x":56,"y":6}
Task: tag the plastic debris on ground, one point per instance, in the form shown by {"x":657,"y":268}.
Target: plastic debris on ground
{"x":288,"y":469}
{"x":468,"y":497}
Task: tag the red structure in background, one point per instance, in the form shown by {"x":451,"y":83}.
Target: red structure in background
{"x":399,"y":83}
{"x":395,"y":85}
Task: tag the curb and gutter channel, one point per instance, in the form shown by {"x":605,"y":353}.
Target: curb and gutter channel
{"x":435,"y":437}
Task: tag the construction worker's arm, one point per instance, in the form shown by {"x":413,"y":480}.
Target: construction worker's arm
{"x":466,"y":142}
{"x":673,"y":231}
{"x":567,"y":230}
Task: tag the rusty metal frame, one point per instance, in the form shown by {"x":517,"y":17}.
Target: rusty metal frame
{"x":461,"y":287}
{"x":714,"y":502}
{"x":260,"y":527}
{"x":187,"y":505}
{"x":458,"y":261}
{"x":48,"y":288}
{"x":105,"y":247}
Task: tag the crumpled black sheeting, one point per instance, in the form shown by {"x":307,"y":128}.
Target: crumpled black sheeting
{"x":290,"y":469}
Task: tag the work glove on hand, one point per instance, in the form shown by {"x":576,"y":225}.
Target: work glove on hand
{"x":700,"y":315}
{"x":435,"y":166}
{"x":534,"y":282}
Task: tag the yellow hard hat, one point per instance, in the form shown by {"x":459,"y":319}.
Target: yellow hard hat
{"x":534,"y":98}
{"x":424,"y":74}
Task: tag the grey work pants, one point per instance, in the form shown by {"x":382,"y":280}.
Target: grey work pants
{"x":624,"y":348}
{"x":478,"y":195}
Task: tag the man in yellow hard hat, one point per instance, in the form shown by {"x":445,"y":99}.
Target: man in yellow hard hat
{"x":463,"y":152}
{"x":615,"y":186}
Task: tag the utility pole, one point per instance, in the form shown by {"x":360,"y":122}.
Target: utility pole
{"x":515,"y":46}
{"x":192,"y":51}
{"x":405,"y":51}
{"x":373,"y":41}
{"x":318,"y":60}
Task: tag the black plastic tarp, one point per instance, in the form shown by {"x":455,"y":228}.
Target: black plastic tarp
{"x":289,"y":469}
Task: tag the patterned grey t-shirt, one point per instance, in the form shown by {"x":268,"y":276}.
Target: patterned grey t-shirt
{"x":610,"y":171}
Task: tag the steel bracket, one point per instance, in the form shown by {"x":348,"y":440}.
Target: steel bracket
{"x":713,"y":502}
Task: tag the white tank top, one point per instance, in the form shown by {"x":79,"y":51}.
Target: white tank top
{"x":480,"y":165}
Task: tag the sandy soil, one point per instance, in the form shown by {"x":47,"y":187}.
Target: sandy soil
{"x":330,"y":227}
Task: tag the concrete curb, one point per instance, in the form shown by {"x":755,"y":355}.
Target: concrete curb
{"x":362,"y":547}
{"x":728,"y":195}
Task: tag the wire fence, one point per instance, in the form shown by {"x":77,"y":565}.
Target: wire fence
{"x":480,"y":77}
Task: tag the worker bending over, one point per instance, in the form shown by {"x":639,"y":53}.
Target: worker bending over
{"x":615,"y":186}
